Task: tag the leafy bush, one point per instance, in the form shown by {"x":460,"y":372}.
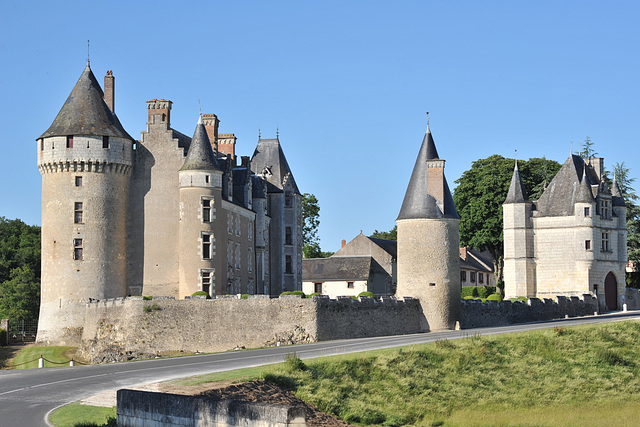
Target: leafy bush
{"x":3,"y":336}
{"x":495,"y":297}
{"x":294,"y":363}
{"x":469,"y":291}
{"x":366,"y":294}
{"x":147,"y":298}
{"x":201,"y":293}
{"x":468,"y":297}
{"x":245,"y":296}
{"x":483,"y":292}
{"x":300,"y":293}
{"x":491,"y":290}
{"x":150,"y":308}
{"x":313,"y":294}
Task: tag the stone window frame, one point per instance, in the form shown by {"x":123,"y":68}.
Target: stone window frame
{"x":207,"y":238}
{"x":288,"y":235}
{"x":78,"y":249}
{"x":604,"y":209}
{"x":587,"y":212}
{"x":288,"y":264}
{"x":78,"y":212}
{"x":206,"y":206}
{"x":587,"y":245}
{"x":207,"y":278}
{"x":605,"y":247}
{"x":78,"y":180}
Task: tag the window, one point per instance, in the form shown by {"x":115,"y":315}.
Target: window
{"x":206,"y":179}
{"x":605,"y":242}
{"x":105,"y":142}
{"x":288,"y":240}
{"x":69,"y":141}
{"x":206,"y":210}
{"x":77,"y":213}
{"x":78,"y":181}
{"x":480,"y":277}
{"x":350,"y":285}
{"x":587,"y":212}
{"x":42,"y":144}
{"x":237,"y":225}
{"x":250,"y":260}
{"x":250,"y":231}
{"x":473,"y":277}
{"x":288,"y":199}
{"x":206,"y":278}
{"x":587,"y":245}
{"x":317,"y":288}
{"x":207,"y":240}
{"x":238,"y":249}
{"x":463,"y":276}
{"x":229,"y":222}
{"x":604,"y":209}
{"x":288,"y":265}
{"x":77,"y":250}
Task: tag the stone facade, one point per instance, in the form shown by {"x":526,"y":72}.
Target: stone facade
{"x":572,"y":241}
{"x":167,"y":215}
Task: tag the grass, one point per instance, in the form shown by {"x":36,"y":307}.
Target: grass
{"x":31,"y":354}
{"x":576,"y":376}
{"x":77,"y":415}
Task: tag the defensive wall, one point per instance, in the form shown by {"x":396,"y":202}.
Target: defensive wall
{"x":125,"y":328}
{"x":141,"y":408}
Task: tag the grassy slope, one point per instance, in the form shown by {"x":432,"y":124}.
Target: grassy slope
{"x":81,"y":415}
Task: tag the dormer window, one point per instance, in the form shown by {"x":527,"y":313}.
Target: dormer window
{"x":604,"y":209}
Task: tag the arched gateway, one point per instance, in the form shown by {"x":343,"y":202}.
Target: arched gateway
{"x":611,"y":291}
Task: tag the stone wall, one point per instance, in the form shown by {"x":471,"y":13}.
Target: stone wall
{"x":142,"y":408}
{"x":123,"y":328}
{"x":632,"y":298}
{"x":477,"y":314}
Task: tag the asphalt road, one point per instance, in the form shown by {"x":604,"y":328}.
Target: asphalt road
{"x":27,"y":396}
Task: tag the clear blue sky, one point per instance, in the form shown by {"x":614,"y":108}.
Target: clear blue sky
{"x":347,"y":83}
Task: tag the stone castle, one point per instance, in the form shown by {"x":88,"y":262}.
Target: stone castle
{"x":169,"y":215}
{"x":572,"y":241}
{"x":166,"y":215}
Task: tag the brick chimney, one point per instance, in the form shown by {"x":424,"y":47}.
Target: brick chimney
{"x":246,"y":162}
{"x":211,"y":124}
{"x":344,"y":243}
{"x":227,"y":144}
{"x":109,"y":91}
{"x":159,"y":111}
{"x":435,"y":181}
{"x":463,"y":253}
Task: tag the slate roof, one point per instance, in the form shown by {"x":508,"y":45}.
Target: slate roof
{"x":564,"y":189}
{"x":476,"y":261}
{"x":240,"y":176}
{"x":184,"y":141}
{"x":85,"y":112}
{"x":257,"y":189}
{"x":268,"y":159}
{"x":616,"y":194}
{"x":389,"y":246}
{"x":418,"y":203}
{"x":517,"y":193}
{"x":337,"y":268}
{"x":200,"y":155}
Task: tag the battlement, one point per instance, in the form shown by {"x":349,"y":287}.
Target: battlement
{"x":85,"y":154}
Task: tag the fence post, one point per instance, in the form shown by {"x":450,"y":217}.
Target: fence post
{"x":72,"y":363}
{"x":41,"y":362}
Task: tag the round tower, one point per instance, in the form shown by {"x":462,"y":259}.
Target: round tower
{"x":429,"y":241}
{"x":85,"y":158}
{"x":200,"y":199}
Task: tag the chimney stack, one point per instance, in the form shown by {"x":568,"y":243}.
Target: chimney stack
{"x":245,"y":161}
{"x":159,"y":111}
{"x":109,"y":91}
{"x":344,"y":243}
{"x":211,"y":124}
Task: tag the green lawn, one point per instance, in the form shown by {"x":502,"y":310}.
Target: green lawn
{"x":77,"y":415}
{"x":28,"y":357}
{"x":578,"y":376}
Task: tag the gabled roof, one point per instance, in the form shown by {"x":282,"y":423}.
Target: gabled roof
{"x":85,"y":112}
{"x":564,"y":189}
{"x":517,"y":193}
{"x":268,"y":161}
{"x":418,"y":203}
{"x":337,"y":268}
{"x":200,"y":155}
{"x":476,"y":261}
{"x":389,"y":246}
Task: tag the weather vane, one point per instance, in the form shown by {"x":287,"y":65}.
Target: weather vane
{"x":259,"y":133}
{"x":88,"y":53}
{"x":199,"y":108}
{"x":427,"y":119}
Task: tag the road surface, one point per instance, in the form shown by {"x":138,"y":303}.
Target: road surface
{"x":27,"y":396}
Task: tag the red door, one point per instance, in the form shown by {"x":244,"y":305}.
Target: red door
{"x":611,"y":292}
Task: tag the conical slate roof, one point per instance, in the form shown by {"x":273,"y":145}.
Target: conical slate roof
{"x":616,"y":195}
{"x":268,"y":160}
{"x":200,"y":155}
{"x":517,"y":193}
{"x":85,"y":112}
{"x":418,"y":203}
{"x":584,"y":193}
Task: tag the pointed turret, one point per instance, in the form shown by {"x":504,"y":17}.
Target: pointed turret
{"x":200,"y":155}
{"x":268,"y":161}
{"x":428,"y":194}
{"x":517,"y":193}
{"x":85,"y":112}
{"x":584,"y":194}
{"x":616,"y":195}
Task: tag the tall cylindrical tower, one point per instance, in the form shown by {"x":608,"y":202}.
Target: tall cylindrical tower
{"x":85,"y":158}
{"x":200,"y":200}
{"x":428,"y":242}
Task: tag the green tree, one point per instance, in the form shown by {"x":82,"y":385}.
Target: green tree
{"x":389,"y":235}
{"x":310,"y":224}
{"x":625,"y":182}
{"x":587,"y":151}
{"x":482,"y":190}
{"x":19,"y":269}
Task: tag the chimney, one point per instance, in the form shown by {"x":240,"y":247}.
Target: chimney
{"x":226,"y":144}
{"x":245,"y":161}
{"x":463,"y":253}
{"x":344,"y":243}
{"x":435,"y":181}
{"x":598,"y":166}
{"x":159,"y":111}
{"x":109,"y":91}
{"x":211,"y":124}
